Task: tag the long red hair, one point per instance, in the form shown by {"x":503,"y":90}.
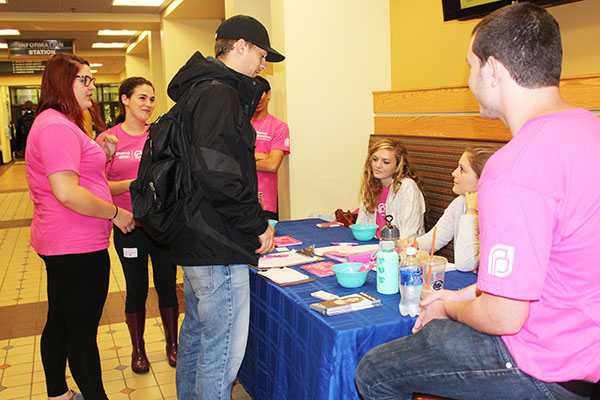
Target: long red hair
{"x":57,"y":88}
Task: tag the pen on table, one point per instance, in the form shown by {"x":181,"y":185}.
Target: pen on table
{"x":344,"y":244}
{"x":274,"y":255}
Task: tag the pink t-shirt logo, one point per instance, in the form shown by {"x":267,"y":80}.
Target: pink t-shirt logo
{"x":137,"y":154}
{"x":501,"y":259}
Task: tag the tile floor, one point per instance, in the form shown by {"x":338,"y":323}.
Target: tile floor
{"x":23,"y":309}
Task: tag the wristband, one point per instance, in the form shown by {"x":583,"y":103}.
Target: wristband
{"x":116,"y":213}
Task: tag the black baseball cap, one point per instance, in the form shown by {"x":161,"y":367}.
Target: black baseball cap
{"x":251,"y":30}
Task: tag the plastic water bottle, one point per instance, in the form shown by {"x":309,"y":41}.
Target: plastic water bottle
{"x":411,"y":284}
{"x":387,"y":268}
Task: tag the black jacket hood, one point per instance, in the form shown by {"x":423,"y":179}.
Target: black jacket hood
{"x":197,"y":68}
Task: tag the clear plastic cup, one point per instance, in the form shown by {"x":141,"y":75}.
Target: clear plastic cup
{"x":434,"y":270}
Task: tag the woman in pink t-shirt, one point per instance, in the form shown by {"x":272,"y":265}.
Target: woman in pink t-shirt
{"x":72,"y":215}
{"x":390,"y":186}
{"x":136,"y":96}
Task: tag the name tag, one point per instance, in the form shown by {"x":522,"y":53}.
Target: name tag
{"x":130,"y":252}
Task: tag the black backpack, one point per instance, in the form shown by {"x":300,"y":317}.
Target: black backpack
{"x":162,"y":196}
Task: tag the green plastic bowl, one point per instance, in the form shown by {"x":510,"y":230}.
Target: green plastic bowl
{"x":347,"y":276}
{"x":363,"y":231}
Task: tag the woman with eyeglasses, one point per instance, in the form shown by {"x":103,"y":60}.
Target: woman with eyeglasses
{"x":136,"y":98}
{"x":72,"y":217}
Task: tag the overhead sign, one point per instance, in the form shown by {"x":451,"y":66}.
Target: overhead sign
{"x":22,"y":67}
{"x":38,"y":48}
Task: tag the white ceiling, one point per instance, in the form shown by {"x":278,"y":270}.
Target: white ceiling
{"x":81,"y":20}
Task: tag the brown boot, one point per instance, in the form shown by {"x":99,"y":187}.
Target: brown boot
{"x":169,"y":318}
{"x":136,"y":323}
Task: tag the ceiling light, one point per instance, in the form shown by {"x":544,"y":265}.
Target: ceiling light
{"x":143,"y":3}
{"x":3,"y":45}
{"x":96,"y":65}
{"x":109,"y":32}
{"x":12,"y":32}
{"x":93,"y":71}
{"x":2,"y":1}
{"x":108,"y":45}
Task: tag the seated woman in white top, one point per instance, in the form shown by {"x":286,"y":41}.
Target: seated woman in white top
{"x":460,"y":220}
{"x":390,"y":186}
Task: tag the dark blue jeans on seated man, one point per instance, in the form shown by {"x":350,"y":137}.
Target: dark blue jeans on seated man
{"x":447,"y":358}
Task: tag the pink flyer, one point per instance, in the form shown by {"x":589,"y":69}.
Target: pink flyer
{"x":320,"y":269}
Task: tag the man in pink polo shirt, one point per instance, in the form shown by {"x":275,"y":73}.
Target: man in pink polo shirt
{"x":530,"y":327}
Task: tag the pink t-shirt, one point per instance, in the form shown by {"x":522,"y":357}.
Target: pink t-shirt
{"x":125,"y":162}
{"x":539,"y":218}
{"x":56,"y":144}
{"x":271,"y":134}
{"x":381,"y":211}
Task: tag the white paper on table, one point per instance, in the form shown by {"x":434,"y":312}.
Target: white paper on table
{"x":350,"y":250}
{"x":283,"y":275}
{"x":291,"y":258}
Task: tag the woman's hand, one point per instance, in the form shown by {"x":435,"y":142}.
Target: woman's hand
{"x":108,"y":143}
{"x":471,"y":201}
{"x":124,"y":221}
{"x":404,"y":243}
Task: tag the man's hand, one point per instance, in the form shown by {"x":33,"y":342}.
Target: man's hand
{"x":266,"y":241}
{"x":432,"y":307}
{"x":260,"y":156}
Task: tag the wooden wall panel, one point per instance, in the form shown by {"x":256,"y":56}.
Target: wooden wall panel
{"x":465,"y":127}
{"x":582,"y":91}
{"x":450,"y":99}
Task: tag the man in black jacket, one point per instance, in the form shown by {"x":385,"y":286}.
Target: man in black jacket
{"x":229,"y":229}
{"x":24,"y":126}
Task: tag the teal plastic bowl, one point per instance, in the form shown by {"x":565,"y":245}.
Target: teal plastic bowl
{"x":347,"y":276}
{"x":363,"y":231}
{"x":273,"y":222}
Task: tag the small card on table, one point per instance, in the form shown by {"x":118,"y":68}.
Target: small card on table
{"x":285,"y":241}
{"x":353,"y":302}
{"x":320,"y":269}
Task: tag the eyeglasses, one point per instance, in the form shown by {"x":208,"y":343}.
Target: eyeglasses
{"x":86,"y":80}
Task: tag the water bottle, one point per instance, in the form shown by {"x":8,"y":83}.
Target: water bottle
{"x":387,"y":268}
{"x":390,"y":232}
{"x":411,"y":284}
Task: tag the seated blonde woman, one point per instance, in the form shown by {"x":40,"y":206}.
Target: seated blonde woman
{"x":391,"y":187}
{"x":460,"y":220}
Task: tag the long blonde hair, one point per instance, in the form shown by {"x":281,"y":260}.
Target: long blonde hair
{"x":370,"y":187}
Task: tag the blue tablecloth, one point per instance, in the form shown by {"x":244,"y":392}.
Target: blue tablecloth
{"x":294,"y":352}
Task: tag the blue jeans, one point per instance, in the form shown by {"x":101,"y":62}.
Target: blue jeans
{"x":449,"y":359}
{"x":213,"y":335}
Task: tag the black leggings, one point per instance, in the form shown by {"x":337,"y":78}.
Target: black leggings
{"x":77,"y":289}
{"x":133,"y":250}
